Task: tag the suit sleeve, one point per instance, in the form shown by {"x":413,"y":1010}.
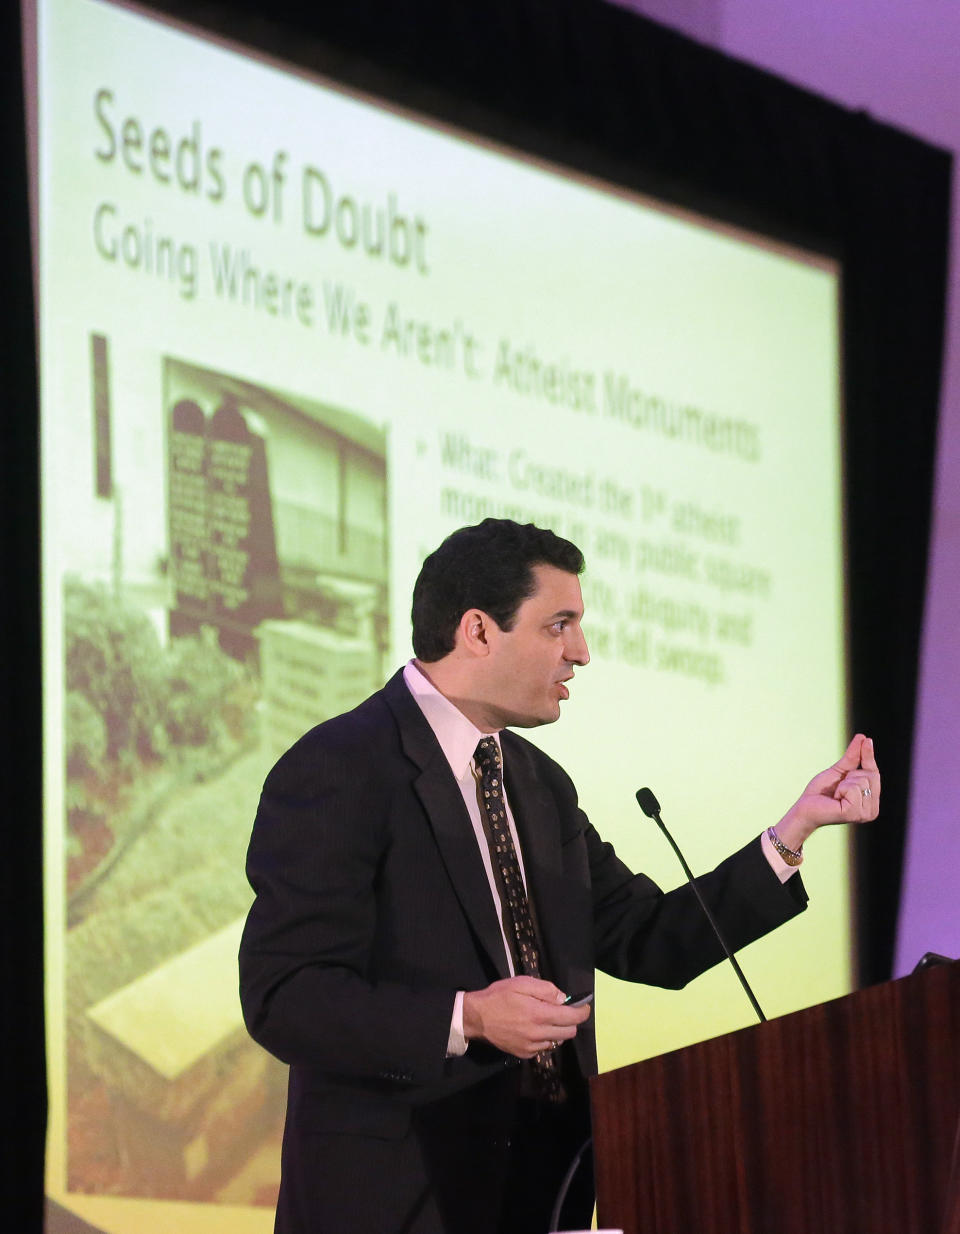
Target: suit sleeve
{"x":643,"y":934}
{"x":305,"y":958}
{"x":663,"y":938}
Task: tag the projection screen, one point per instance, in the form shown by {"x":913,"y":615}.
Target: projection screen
{"x":290,"y":338}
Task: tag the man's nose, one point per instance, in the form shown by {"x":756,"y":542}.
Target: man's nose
{"x":576,"y":651}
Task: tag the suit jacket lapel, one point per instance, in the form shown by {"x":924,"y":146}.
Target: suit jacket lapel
{"x":442,"y":802}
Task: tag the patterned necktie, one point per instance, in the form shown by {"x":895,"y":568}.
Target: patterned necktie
{"x":517,"y":921}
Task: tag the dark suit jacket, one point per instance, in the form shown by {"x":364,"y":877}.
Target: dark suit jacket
{"x":372,"y":909}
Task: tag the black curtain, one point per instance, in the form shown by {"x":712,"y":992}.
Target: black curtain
{"x":592,"y":86}
{"x":22,"y":1075}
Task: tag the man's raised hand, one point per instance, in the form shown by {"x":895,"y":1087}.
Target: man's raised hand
{"x":847,"y":792}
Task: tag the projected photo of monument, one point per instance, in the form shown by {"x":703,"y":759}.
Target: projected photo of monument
{"x":277,"y":531}
{"x":191,"y":663}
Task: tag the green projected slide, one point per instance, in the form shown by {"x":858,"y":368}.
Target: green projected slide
{"x":290,"y":338}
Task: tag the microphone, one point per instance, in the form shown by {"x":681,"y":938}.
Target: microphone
{"x":651,"y":807}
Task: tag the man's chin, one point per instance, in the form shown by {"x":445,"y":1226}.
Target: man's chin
{"x":535,"y":722}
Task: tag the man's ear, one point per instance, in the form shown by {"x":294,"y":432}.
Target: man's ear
{"x":473,"y":632}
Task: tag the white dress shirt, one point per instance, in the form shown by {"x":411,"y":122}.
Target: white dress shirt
{"x":458,"y":738}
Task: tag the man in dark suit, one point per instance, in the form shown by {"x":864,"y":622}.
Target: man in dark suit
{"x":428,"y":891}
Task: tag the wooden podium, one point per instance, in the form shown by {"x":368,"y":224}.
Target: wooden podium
{"x":841,"y":1119}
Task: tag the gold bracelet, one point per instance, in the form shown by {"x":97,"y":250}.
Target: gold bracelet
{"x":790,"y":857}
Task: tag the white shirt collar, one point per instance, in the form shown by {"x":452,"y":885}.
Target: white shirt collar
{"x":457,"y":735}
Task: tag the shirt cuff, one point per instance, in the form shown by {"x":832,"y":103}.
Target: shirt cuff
{"x":777,"y":863}
{"x":456,"y":1042}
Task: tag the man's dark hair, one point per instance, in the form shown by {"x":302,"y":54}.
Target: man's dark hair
{"x":489,"y":567}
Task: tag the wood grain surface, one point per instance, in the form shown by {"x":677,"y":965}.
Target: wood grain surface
{"x":840,"y":1119}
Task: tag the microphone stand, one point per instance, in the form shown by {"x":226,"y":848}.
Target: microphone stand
{"x":651,"y":807}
